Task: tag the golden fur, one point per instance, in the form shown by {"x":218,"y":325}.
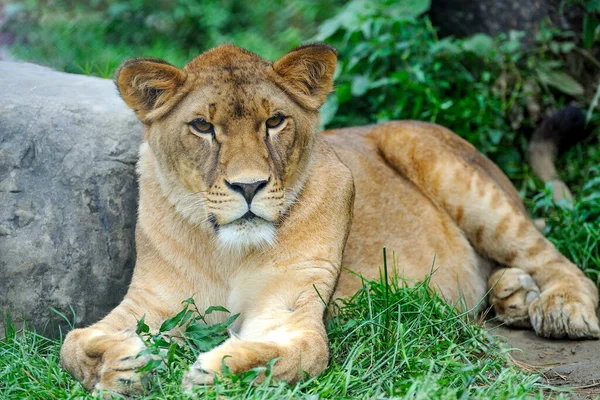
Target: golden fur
{"x":213,"y":152}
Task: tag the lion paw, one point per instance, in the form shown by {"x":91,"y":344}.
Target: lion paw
{"x":196,"y":376}
{"x":512,"y":291}
{"x":238,"y":356}
{"x":105,"y":363}
{"x":564,"y":312}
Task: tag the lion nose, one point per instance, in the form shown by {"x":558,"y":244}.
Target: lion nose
{"x":248,"y":190}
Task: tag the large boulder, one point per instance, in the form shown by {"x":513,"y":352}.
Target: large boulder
{"x":68,"y":195}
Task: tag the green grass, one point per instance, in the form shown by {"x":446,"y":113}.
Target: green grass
{"x":388,"y":341}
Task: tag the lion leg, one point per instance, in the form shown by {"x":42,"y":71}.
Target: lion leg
{"x":488,"y":210}
{"x":104,"y":356}
{"x":285,"y":322}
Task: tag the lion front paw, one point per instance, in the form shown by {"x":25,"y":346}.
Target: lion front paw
{"x":564,"y":311}
{"x":105,"y":362}
{"x":237,"y":355}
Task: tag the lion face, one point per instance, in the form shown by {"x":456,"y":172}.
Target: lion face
{"x":232,"y":134}
{"x":237,"y":151}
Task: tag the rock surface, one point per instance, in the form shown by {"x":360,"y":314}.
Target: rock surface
{"x":68,"y":195}
{"x":466,"y":17}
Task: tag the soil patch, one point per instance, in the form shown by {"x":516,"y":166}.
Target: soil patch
{"x":573,"y":364}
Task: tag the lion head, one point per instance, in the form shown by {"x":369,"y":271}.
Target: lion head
{"x":232,"y":134}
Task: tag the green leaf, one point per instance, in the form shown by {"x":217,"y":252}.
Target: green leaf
{"x":199,"y":328}
{"x":118,"y":8}
{"x":419,"y":74}
{"x":148,"y":350}
{"x":593,"y":6}
{"x":207,"y":343}
{"x":189,"y":300}
{"x":566,"y":47}
{"x":10,"y":331}
{"x":593,"y":105}
{"x":171,"y":353}
{"x":212,"y":309}
{"x":480,"y":44}
{"x":251,"y":375}
{"x":141,"y":326}
{"x":561,"y":81}
{"x":495,"y":136}
{"x":347,"y":18}
{"x":171,"y":323}
{"x":152,"y":364}
{"x":229,"y":321}
{"x":343,"y":93}
{"x":328,"y":110}
{"x":161,"y":342}
{"x":186,"y":317}
{"x":360,"y":85}
{"x":327,"y":29}
{"x":590,"y":25}
{"x":513,"y":44}
{"x":445,"y":46}
{"x":408,"y":9}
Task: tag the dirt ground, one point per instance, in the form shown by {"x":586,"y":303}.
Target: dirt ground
{"x":564,"y":363}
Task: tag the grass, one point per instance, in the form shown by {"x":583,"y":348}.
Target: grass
{"x":387,"y":341}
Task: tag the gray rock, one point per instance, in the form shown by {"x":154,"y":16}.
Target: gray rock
{"x":68,"y":195}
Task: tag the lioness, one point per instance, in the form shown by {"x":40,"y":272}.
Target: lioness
{"x":245,"y":204}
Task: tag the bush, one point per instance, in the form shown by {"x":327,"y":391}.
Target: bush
{"x":489,"y":91}
{"x":95,"y":37}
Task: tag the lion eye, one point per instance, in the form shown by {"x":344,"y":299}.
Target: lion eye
{"x":201,"y":126}
{"x":275,"y":121}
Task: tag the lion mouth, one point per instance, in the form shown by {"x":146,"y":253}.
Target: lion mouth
{"x":247,"y":221}
{"x":249,"y":216}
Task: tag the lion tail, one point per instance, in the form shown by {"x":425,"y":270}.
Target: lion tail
{"x":553,"y":136}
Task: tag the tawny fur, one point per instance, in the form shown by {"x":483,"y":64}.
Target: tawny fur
{"x":332,"y":199}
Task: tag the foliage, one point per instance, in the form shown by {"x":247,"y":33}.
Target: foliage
{"x":182,"y":338}
{"x":96,"y":36}
{"x":590,"y":34}
{"x":489,"y":91}
{"x":387,"y":341}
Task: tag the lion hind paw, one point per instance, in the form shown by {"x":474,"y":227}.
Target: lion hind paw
{"x":560,"y":313}
{"x":512,"y":291}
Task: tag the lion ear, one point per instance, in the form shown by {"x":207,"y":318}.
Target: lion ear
{"x":309,"y":70}
{"x":148,"y":84}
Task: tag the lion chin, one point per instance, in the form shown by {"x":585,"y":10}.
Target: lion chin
{"x":246,"y":233}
